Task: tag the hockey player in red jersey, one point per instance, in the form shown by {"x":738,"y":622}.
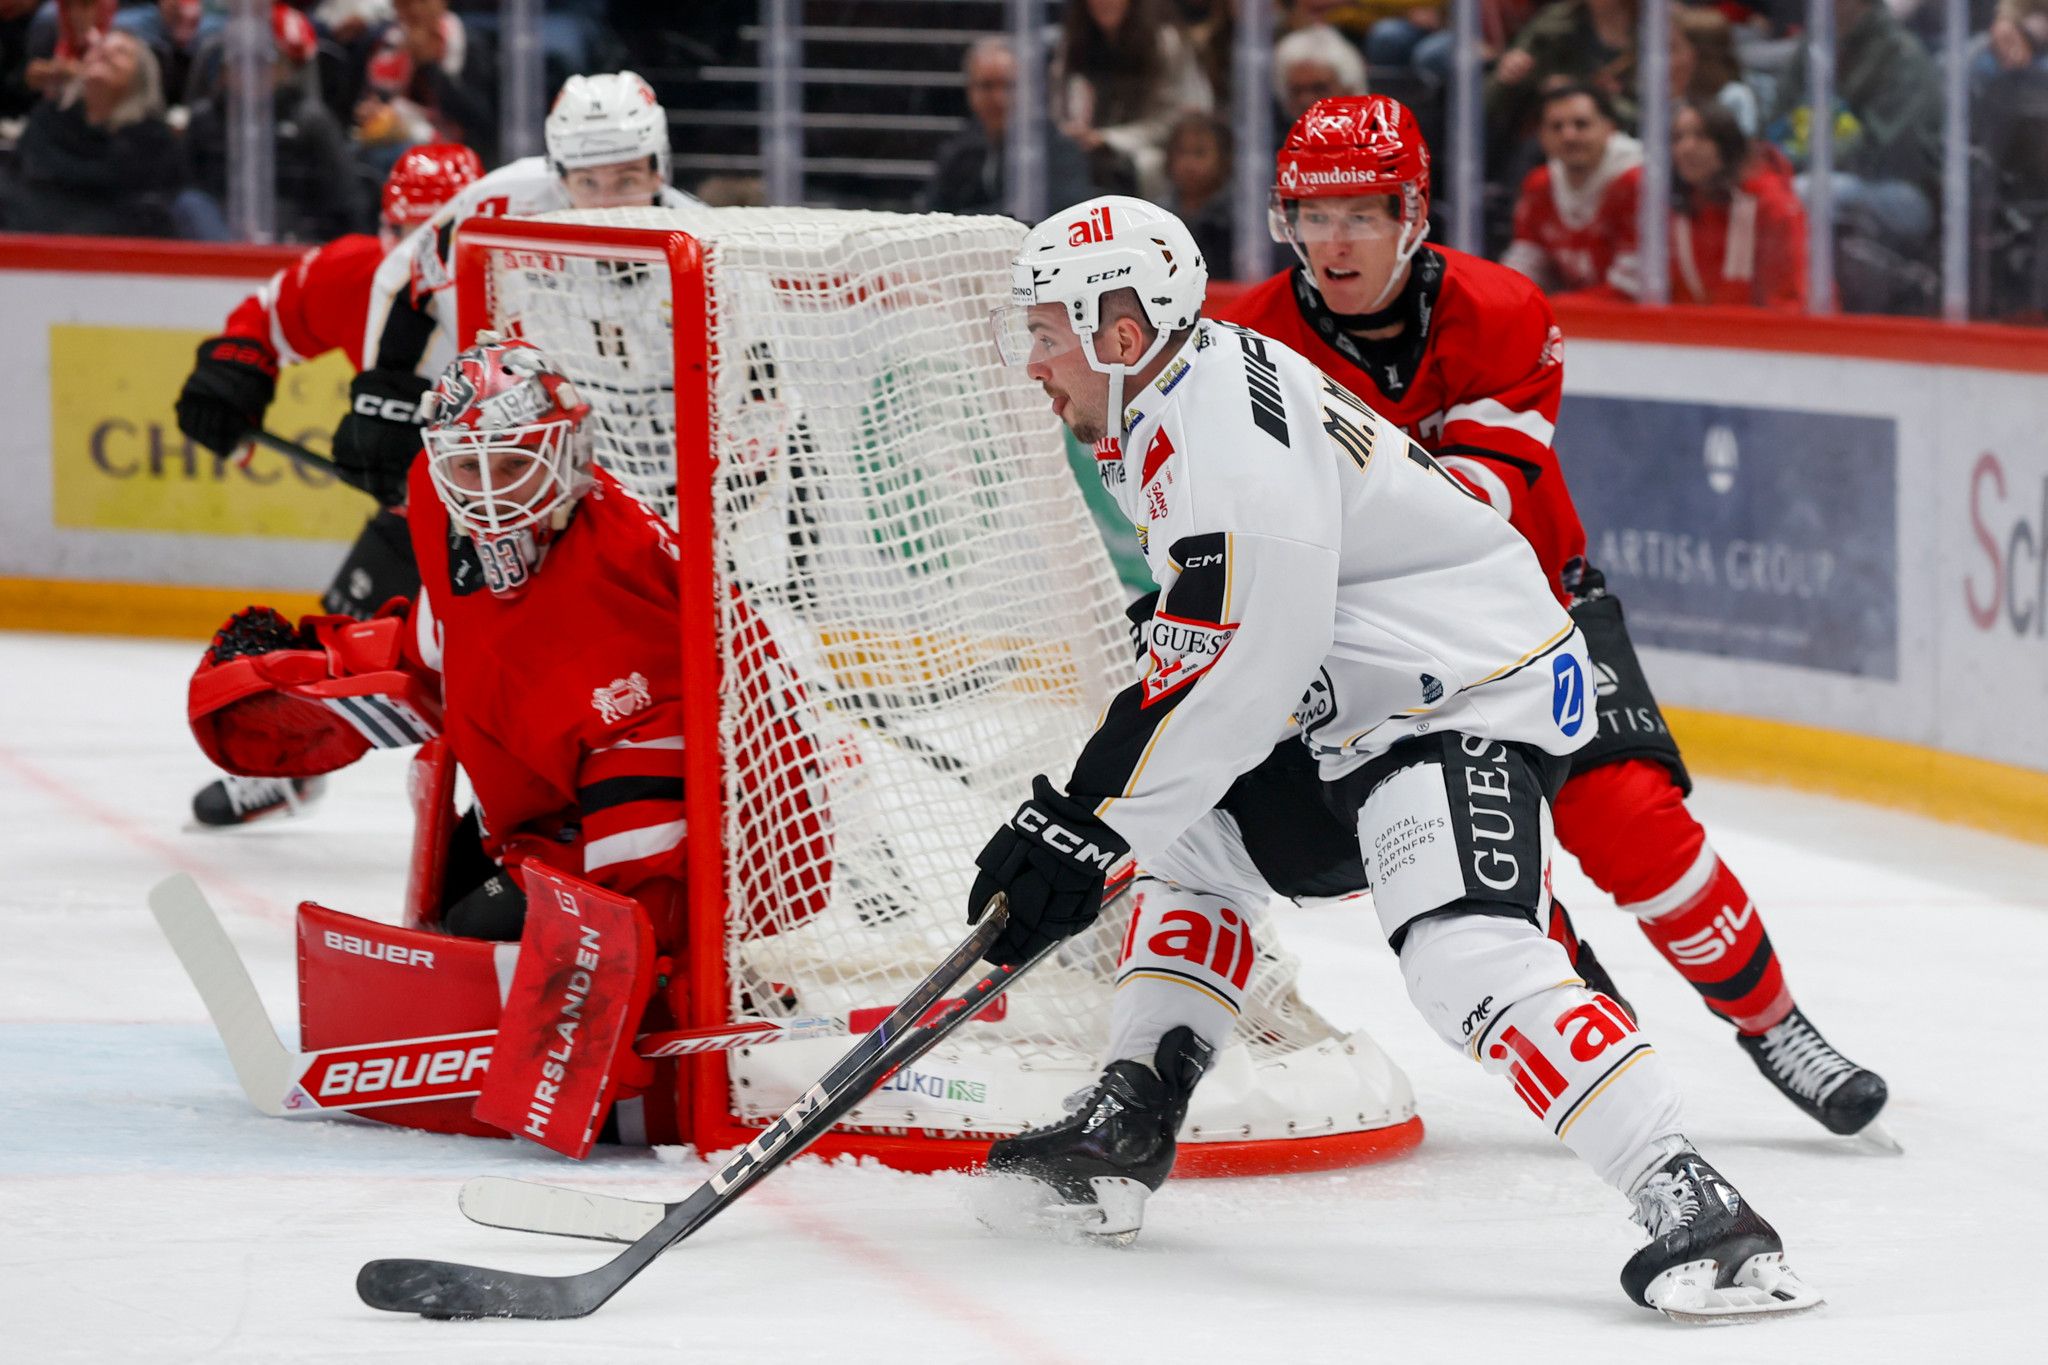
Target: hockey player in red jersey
{"x":313,"y":306}
{"x":1467,"y":357}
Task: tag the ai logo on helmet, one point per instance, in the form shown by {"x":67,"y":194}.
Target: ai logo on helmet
{"x":1094,"y":228}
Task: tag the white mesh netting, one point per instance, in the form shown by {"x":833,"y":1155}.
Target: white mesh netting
{"x":916,"y":616}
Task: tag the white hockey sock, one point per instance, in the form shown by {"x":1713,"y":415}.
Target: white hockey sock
{"x":1496,"y":988}
{"x":1186,"y":958}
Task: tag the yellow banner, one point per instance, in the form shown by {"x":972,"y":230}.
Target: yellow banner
{"x":119,"y":462}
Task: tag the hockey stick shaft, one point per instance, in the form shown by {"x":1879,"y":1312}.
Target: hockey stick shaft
{"x":283,"y":445}
{"x":445,"y":1290}
{"x":527,"y":1206}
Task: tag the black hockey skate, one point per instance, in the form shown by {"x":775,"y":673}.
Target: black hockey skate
{"x":1844,"y":1097}
{"x":1711,"y":1257}
{"x":237,"y":800}
{"x":1108,"y":1155}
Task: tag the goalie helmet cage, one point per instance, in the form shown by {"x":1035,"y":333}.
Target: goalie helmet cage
{"x":895,"y":610}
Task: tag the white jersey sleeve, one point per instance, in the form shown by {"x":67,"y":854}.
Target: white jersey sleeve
{"x":1316,"y":570}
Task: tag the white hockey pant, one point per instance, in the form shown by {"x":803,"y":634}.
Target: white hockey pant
{"x":1497,"y":989}
{"x":1189,"y":949}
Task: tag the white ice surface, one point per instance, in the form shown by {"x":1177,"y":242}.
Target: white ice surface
{"x":147,"y":1213}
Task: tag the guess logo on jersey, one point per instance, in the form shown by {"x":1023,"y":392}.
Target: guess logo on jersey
{"x":1181,"y":651}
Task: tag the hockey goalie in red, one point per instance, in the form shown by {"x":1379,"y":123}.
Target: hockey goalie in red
{"x":1467,"y":356}
{"x":544,"y":649}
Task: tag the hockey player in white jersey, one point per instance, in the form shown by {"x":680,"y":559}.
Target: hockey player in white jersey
{"x":1310,"y":557}
{"x":607,"y":147}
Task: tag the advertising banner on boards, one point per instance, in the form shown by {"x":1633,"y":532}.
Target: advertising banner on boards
{"x":1752,"y":533}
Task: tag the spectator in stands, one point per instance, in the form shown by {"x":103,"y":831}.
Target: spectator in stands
{"x":98,"y":157}
{"x":1704,"y":65}
{"x":1310,"y":64}
{"x":968,"y":175}
{"x":1738,"y":233}
{"x":1575,"y":223}
{"x":175,"y":31}
{"x":1393,"y":39}
{"x":1121,"y":75}
{"x":16,"y":18}
{"x":1198,"y":158}
{"x":59,"y":40}
{"x":1888,"y":130}
{"x":319,"y":195}
{"x":2017,"y":41}
{"x":1589,"y":42}
{"x":426,"y":78}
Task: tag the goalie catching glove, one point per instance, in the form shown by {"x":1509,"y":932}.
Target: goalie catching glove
{"x":227,"y":393}
{"x":375,"y":444}
{"x":273,"y":699}
{"x":1051,"y":861}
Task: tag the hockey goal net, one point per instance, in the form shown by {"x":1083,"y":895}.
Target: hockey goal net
{"x":896,"y":611}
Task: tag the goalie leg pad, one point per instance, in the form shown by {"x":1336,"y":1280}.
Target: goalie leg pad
{"x":1506,"y":995}
{"x":364,"y":982}
{"x":565,"y":1040}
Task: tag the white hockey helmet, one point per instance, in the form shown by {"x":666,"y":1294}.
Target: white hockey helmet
{"x":1095,"y":248}
{"x":606,"y":119}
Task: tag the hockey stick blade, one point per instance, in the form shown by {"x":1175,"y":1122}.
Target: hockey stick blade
{"x":558,"y":1211}
{"x":443,"y":1289}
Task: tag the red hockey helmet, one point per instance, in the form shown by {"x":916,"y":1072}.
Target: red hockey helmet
{"x":1349,"y":147}
{"x":424,"y":179}
{"x":507,"y":444}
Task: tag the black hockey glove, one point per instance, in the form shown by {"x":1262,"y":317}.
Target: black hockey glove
{"x":375,"y":444}
{"x":1051,"y":859}
{"x":228,"y":392}
{"x":256,"y":630}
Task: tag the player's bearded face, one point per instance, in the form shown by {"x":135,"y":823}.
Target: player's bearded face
{"x":1079,"y":392}
{"x":619,"y":184}
{"x":1353,"y":248}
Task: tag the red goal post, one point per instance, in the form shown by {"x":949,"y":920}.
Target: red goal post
{"x":895,"y":609}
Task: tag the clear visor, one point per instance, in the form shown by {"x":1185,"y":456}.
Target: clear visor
{"x":1373,"y":219}
{"x":496,"y":482}
{"x":1026,"y":339}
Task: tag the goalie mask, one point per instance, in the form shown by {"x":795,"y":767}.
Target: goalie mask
{"x":607,"y":120}
{"x":1352,"y":147}
{"x":508,"y":451}
{"x":424,"y":179}
{"x":1095,"y":248}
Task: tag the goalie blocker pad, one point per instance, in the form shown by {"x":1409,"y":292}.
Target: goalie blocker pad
{"x":565,"y":1040}
{"x":1630,"y":726}
{"x":303,"y":711}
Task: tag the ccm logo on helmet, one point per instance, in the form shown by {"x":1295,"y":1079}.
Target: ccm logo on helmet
{"x":1109,"y":274}
{"x":1063,"y":840}
{"x":381,"y":952}
{"x":390,"y":409}
{"x":1096,"y":227}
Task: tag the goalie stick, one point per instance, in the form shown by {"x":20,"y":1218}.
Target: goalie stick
{"x":442,"y":1289}
{"x":284,"y":1083}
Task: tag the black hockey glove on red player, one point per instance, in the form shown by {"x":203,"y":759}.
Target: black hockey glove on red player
{"x":375,"y":444}
{"x":1051,"y":860}
{"x":228,"y":392}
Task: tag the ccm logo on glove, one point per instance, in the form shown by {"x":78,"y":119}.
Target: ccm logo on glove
{"x":389,"y":409}
{"x":1060,"y":839}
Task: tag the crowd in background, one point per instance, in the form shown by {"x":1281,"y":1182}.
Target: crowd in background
{"x":112,"y":120}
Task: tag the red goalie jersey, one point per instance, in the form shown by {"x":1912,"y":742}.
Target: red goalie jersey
{"x":1475,"y":378}
{"x":563,"y":704}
